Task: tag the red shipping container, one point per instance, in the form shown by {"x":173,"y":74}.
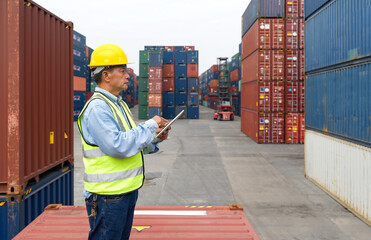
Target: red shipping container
{"x":277,"y":127}
{"x":278,"y":64}
{"x":302,"y":97}
{"x":235,"y":75}
{"x":154,"y":100}
{"x":168,"y":70}
{"x":295,"y":33}
{"x":192,"y":70}
{"x":213,"y":89}
{"x":278,"y":96}
{"x":214,"y":68}
{"x":79,"y":84}
{"x":295,"y":65}
{"x":258,"y":37}
{"x":293,"y":96}
{"x":294,"y":8}
{"x":136,"y":102}
{"x":189,"y":48}
{"x":302,"y":127}
{"x":292,"y":128}
{"x":168,"y":85}
{"x":256,"y":96}
{"x":169,"y":48}
{"x":214,"y":83}
{"x":154,"y":85}
{"x":155,"y":73}
{"x":233,"y":89}
{"x":278,"y":33}
{"x":89,"y":95}
{"x":256,"y":67}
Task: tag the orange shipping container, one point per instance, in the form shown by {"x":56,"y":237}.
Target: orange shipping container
{"x":168,"y":70}
{"x":154,"y":100}
{"x":192,"y":70}
{"x":235,"y":76}
{"x":154,"y":86}
{"x":79,"y":84}
{"x":214,"y":83}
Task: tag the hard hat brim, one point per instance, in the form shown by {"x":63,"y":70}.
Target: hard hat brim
{"x":94,"y":66}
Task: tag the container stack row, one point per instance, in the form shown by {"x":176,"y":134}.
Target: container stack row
{"x":36,"y":143}
{"x":129,"y":95}
{"x":168,"y":82}
{"x":272,"y":71}
{"x":338,"y":101}
{"x":235,"y":77}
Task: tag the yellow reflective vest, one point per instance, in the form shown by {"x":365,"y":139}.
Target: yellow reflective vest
{"x":108,"y":175}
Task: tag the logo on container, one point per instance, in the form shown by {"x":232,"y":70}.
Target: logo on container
{"x":76,"y":68}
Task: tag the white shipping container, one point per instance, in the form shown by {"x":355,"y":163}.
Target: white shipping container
{"x":342,"y":169}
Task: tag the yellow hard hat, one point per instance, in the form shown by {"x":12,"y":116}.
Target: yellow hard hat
{"x":108,"y":55}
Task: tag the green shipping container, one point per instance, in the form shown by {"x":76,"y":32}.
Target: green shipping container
{"x":143,"y":84}
{"x":143,"y":70}
{"x":143,"y":57}
{"x":237,"y":55}
{"x":155,"y":51}
{"x":142,"y":112}
{"x":143,"y":98}
{"x":93,"y":85}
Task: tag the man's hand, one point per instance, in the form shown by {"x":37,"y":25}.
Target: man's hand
{"x":161,"y":122}
{"x":163,"y":135}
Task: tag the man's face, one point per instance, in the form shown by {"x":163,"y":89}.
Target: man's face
{"x":119,"y":78}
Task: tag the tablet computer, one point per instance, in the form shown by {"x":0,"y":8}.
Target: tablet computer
{"x":171,"y":122}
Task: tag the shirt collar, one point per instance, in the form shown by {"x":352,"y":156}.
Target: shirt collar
{"x":112,"y":97}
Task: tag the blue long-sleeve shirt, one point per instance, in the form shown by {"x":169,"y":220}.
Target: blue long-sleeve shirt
{"x":99,"y":127}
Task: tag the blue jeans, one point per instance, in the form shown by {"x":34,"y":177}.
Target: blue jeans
{"x":113,"y":216}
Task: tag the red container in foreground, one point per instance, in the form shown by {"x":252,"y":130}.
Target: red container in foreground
{"x":302,"y":127}
{"x":263,"y":127}
{"x":192,"y":70}
{"x":293,"y":128}
{"x":295,"y":33}
{"x":168,"y":85}
{"x":294,"y":8}
{"x":295,"y":98}
{"x":168,"y":70}
{"x":191,"y":222}
{"x":154,"y":100}
{"x":235,"y":75}
{"x":155,"y":73}
{"x":36,"y":93}
{"x":295,"y":65}
{"x":154,"y":86}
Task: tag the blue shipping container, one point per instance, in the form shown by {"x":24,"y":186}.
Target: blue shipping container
{"x":193,"y":98}
{"x":79,"y":98}
{"x":80,"y":69}
{"x":168,"y":98}
{"x":168,"y":112}
{"x":79,"y":53}
{"x":310,"y":6}
{"x":260,"y":9}
{"x":192,"y":84}
{"x":76,"y":111}
{"x":178,"y":48}
{"x":192,"y":57}
{"x":178,"y":109}
{"x":180,"y":98}
{"x":17,"y":211}
{"x":180,"y":84}
{"x":235,"y":64}
{"x":149,"y":48}
{"x":155,"y":59}
{"x":79,"y":39}
{"x":180,"y":71}
{"x":180,"y":57}
{"x":153,"y":111}
{"x":338,"y":102}
{"x":193,"y":112}
{"x":168,"y":57}
{"x":338,"y":33}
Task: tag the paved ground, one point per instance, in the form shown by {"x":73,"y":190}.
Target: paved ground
{"x":207,"y":162}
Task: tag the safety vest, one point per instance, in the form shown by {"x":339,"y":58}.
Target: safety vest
{"x":108,"y":175}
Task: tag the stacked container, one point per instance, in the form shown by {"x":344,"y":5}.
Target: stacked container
{"x":272,"y":75}
{"x":338,"y":109}
{"x":168,"y":82}
{"x":128,"y":95}
{"x":36,"y":127}
{"x":235,"y":77}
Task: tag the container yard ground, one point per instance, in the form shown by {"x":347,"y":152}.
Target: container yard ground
{"x":207,"y":162}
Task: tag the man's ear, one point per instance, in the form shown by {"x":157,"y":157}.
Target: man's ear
{"x":105,"y":76}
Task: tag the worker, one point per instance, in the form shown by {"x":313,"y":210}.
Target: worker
{"x":113,"y":147}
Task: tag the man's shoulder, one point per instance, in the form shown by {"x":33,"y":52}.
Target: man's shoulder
{"x":96,"y":104}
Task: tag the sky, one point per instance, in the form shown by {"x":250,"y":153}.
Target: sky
{"x":212,"y":26}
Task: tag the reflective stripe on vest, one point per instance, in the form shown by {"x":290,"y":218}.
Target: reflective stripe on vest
{"x":105,"y":174}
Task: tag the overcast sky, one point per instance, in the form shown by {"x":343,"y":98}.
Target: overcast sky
{"x":212,"y":26}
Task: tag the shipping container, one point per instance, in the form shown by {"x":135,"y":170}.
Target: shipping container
{"x":294,"y":96}
{"x":235,"y":75}
{"x":293,"y":128}
{"x":338,"y":103}
{"x":257,"y":66}
{"x":266,"y":33}
{"x":213,"y":222}
{"x":294,"y":8}
{"x":180,"y":84}
{"x":295,"y":33}
{"x":295,"y":63}
{"x":17,"y":211}
{"x":342,"y":169}
{"x":143,"y":111}
{"x":143,"y":84}
{"x":192,"y":84}
{"x":154,"y":111}
{"x":189,"y":48}
{"x":193,"y":112}
{"x":154,"y":101}
{"x":338,"y":34}
{"x":79,"y":53}
{"x":192,"y":99}
{"x":144,"y":57}
{"x":154,"y":73}
{"x":180,"y":98}
{"x":256,"y":96}
{"x":36,"y":97}
{"x":79,"y":84}
{"x":168,"y":98}
{"x":143,"y":98}
{"x":155,"y":59}
{"x":168,"y":57}
{"x":192,"y":57}
{"x":178,"y":48}
{"x":169,"y":48}
{"x":168,"y":112}
{"x":168,"y":70}
{"x":261,"y":9}
{"x":312,"y":6}
{"x":180,"y":57}
{"x":192,"y":70}
{"x":180,"y":71}
{"x":154,"y":86}
{"x":79,"y":98}
{"x":143,"y":70}
{"x":178,"y":109}
{"x":79,"y":39}
{"x":80,"y":69}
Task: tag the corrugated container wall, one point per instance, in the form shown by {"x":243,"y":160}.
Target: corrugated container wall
{"x":312,"y":5}
{"x":36,"y":98}
{"x":339,"y":102}
{"x":333,"y":37}
{"x":342,"y":169}
{"x":261,"y":8}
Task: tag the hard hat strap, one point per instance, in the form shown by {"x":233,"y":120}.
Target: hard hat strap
{"x":98,"y":70}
